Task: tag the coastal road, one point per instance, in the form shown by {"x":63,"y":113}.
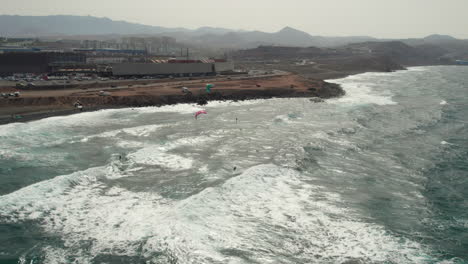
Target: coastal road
{"x":87,"y":86}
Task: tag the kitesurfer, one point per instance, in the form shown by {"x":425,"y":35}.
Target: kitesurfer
{"x":199,"y":113}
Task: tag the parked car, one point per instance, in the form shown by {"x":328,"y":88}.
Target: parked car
{"x":104,"y":93}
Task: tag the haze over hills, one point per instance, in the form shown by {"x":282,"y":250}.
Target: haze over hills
{"x":37,"y":26}
{"x":66,"y":26}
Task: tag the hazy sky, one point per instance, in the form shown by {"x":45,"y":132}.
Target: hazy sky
{"x":378,"y":18}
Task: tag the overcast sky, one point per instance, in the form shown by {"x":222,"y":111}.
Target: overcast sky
{"x":378,"y":18}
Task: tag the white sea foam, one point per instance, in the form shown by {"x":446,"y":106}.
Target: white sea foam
{"x":156,"y":156}
{"x":86,"y":119}
{"x":238,"y":103}
{"x":56,"y":130}
{"x":18,"y":202}
{"x":193,"y":108}
{"x":282,"y":118}
{"x":359,"y":91}
{"x":188,"y":141}
{"x":258,"y":209}
{"x":102,"y":118}
{"x":143,"y":131}
{"x":418,"y":69}
{"x":445,"y":143}
{"x":129,"y":144}
{"x":177,"y":108}
{"x":138,"y":131}
{"x":443,"y":102}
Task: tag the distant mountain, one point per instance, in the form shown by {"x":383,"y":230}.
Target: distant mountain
{"x":88,"y":27}
{"x":453,"y":47}
{"x":65,"y":25}
{"x":285,"y":37}
{"x":382,"y":55}
{"x":439,"y":38}
{"x":35,"y":26}
{"x":401,"y":52}
{"x":431,"y":40}
{"x":212,"y":30}
{"x":292,"y":37}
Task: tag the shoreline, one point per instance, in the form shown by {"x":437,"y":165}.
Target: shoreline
{"x":34,"y":116}
{"x":35,"y":105}
{"x":61,"y":106}
{"x":200,"y":100}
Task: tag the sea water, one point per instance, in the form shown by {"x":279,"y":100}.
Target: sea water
{"x":379,"y":175}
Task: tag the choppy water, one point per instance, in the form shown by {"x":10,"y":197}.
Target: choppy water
{"x":378,"y":176}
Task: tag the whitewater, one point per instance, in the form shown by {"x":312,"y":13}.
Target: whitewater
{"x":376,"y":176}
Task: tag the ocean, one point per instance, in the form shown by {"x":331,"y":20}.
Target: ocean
{"x":379,"y":175}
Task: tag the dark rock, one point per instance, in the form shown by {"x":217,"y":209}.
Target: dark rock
{"x":316,"y":100}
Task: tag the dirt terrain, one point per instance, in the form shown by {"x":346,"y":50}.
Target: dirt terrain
{"x":34,"y":104}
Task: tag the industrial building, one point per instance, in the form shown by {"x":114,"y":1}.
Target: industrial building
{"x":166,"y":69}
{"x":107,"y":62}
{"x":140,"y":69}
{"x":6,"y":49}
{"x":148,"y":45}
{"x":223,"y":66}
{"x":23,"y":62}
{"x":37,"y":62}
{"x":110,"y":51}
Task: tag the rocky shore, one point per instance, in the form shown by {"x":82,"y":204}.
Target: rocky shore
{"x":33,"y":106}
